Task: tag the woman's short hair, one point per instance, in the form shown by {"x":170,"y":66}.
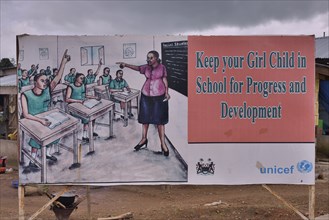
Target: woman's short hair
{"x":156,"y":54}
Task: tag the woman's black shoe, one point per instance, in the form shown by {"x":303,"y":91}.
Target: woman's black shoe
{"x":95,"y":134}
{"x":165,"y":153}
{"x":139,"y":146}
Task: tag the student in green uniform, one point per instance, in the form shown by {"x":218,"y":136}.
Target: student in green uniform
{"x":76,"y":92}
{"x":91,"y":76}
{"x":69,"y":78}
{"x":33,"y":71}
{"x":24,"y":80}
{"x":36,"y":101}
{"x":55,"y":73}
{"x":43,"y":72}
{"x":119,"y":84}
{"x":19,"y":70}
{"x":48,"y":71}
{"x":106,"y":78}
{"x":51,"y":77}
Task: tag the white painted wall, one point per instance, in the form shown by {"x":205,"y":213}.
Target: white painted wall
{"x":113,"y":47}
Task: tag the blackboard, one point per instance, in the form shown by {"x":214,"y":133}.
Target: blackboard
{"x":174,"y":57}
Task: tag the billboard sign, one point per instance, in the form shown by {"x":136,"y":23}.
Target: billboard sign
{"x":114,"y":110}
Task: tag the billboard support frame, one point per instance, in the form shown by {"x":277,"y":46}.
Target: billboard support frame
{"x":310,"y":202}
{"x":21,"y":206}
{"x":311,"y":188}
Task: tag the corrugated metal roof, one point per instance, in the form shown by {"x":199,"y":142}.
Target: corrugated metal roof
{"x":8,"y":80}
{"x":322,"y":47}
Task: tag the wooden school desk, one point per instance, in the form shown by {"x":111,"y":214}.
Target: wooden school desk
{"x":127,"y":97}
{"x":91,"y":114}
{"x":44,"y":136}
{"x":100,"y":91}
{"x":90,"y":89}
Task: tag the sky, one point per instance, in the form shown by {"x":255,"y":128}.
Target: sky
{"x":102,"y":17}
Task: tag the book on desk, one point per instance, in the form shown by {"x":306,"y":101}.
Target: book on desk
{"x":56,"y":118}
{"x":90,"y":103}
{"x":125,"y":92}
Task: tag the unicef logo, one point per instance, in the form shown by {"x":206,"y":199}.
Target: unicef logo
{"x":304,"y":166}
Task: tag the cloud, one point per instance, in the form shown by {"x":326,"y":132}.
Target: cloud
{"x":153,"y":17}
{"x":161,"y":16}
{"x":314,"y":26}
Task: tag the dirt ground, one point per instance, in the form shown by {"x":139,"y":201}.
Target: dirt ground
{"x":172,"y":202}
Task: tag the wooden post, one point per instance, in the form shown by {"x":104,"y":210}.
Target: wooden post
{"x":285,"y":202}
{"x":48,"y":204}
{"x":311,"y":202}
{"x":20,"y":202}
{"x":88,"y":203}
{"x":79,"y":153}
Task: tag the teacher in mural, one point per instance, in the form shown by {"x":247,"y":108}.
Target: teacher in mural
{"x":154,"y":98}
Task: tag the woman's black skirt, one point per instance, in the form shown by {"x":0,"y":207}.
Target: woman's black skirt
{"x":153,"y":110}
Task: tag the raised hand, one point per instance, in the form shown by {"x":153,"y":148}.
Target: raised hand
{"x":66,"y":58}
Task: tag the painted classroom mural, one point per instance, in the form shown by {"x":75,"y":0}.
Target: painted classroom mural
{"x":122,"y":109}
